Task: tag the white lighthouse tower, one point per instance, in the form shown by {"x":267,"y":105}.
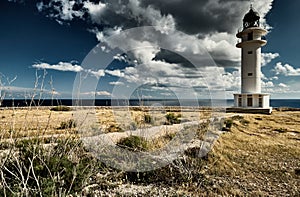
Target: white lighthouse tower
{"x":251,"y":99}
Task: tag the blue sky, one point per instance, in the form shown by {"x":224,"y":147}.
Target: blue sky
{"x":60,"y":37}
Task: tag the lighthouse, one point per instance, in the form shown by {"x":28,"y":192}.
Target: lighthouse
{"x":251,"y":99}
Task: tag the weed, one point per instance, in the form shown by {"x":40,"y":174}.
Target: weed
{"x":148,"y":119}
{"x":134,"y":143}
{"x":67,"y":125}
{"x":281,"y":130}
{"x":64,"y":168}
{"x":245,"y":122}
{"x":172,"y":119}
{"x":227,"y":125}
{"x":61,"y":108}
{"x":114,"y":128}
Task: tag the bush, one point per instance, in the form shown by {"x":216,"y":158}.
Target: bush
{"x":114,"y":128}
{"x":134,"y":143}
{"x":148,"y":119}
{"x":58,"y":170}
{"x":227,"y":125}
{"x":61,"y":108}
{"x":172,"y":118}
{"x":245,"y":122}
{"x":281,"y":130}
{"x":67,"y":125}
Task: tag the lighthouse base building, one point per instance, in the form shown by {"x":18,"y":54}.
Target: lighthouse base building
{"x":251,"y":100}
{"x":251,"y":103}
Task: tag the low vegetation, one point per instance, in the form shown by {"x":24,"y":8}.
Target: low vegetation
{"x":61,"y":108}
{"x":258,"y":157}
{"x":148,"y":119}
{"x":67,"y":124}
{"x":134,"y":143}
{"x":60,"y":169}
{"x":114,"y":128}
{"x":172,"y":118}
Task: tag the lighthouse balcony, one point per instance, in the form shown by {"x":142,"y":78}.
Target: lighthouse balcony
{"x":249,"y":42}
{"x":256,"y":30}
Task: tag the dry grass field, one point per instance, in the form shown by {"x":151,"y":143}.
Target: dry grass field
{"x":256,"y":155}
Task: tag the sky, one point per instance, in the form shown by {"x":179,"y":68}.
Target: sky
{"x":142,"y":48}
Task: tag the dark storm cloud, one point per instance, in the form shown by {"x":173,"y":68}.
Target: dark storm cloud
{"x":203,"y":16}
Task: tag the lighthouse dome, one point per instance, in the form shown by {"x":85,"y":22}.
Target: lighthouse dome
{"x":251,"y":19}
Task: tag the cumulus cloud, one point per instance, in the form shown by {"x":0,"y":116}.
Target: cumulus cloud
{"x":116,"y":73}
{"x":115,"y":83}
{"x":69,"y":67}
{"x":61,"y":10}
{"x":268,"y":84}
{"x":61,"y":66}
{"x":97,"y":74}
{"x":283,"y":85}
{"x":213,"y":23}
{"x":286,"y":70}
{"x":95,"y":10}
{"x":268,"y":57}
{"x":208,"y":33}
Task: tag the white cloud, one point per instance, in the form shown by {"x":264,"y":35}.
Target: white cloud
{"x":216,"y":33}
{"x":286,"y":70}
{"x":222,"y":46}
{"x":268,"y":84}
{"x":6,"y":90}
{"x":268,"y":57}
{"x":211,"y":37}
{"x":61,"y":66}
{"x":116,"y":83}
{"x":121,"y":58}
{"x":274,"y":78}
{"x":103,"y":93}
{"x":283,"y":85}
{"x":40,"y":6}
{"x":116,"y":73}
{"x":95,"y":10}
{"x":69,"y":67}
{"x":97,"y":74}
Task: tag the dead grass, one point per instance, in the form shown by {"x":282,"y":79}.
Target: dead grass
{"x":258,"y":156}
{"x":255,"y":159}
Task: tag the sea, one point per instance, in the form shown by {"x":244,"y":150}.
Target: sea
{"x":290,"y":103}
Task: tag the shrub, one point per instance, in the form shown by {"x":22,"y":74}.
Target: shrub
{"x":134,"y":143}
{"x":227,"y":125}
{"x":245,"y":122}
{"x":61,"y":108}
{"x":148,"y":119}
{"x":172,"y":118}
{"x":58,"y":170}
{"x":114,"y":128}
{"x":281,"y":130}
{"x":67,"y":125}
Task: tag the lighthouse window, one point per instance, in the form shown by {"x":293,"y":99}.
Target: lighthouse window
{"x":250,"y":36}
{"x":250,"y":52}
{"x":249,"y":101}
{"x":250,"y":74}
{"x":240,"y":102}
{"x":260,"y":102}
